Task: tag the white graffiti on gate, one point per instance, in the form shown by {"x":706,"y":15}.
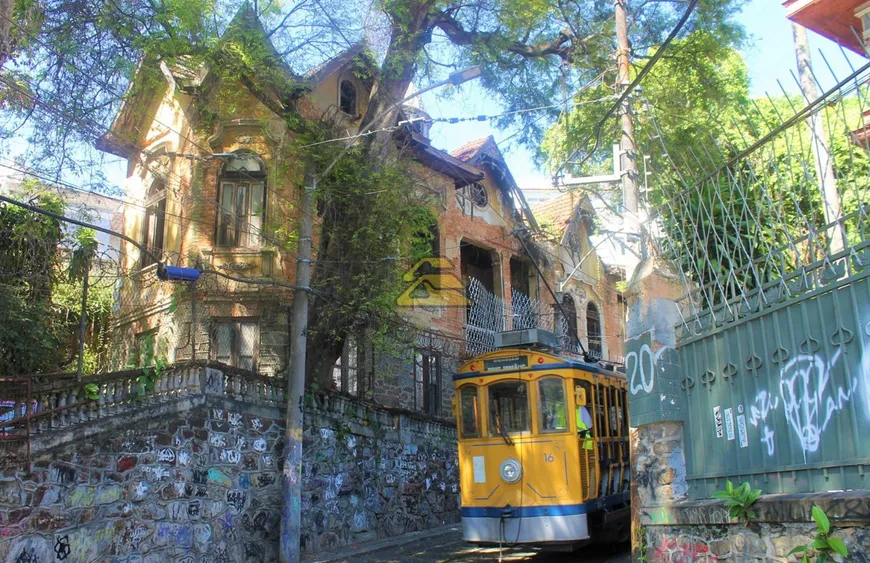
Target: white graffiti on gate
{"x":761,"y":407}
{"x":808,"y":397}
{"x":642,"y":363}
{"x":808,"y":402}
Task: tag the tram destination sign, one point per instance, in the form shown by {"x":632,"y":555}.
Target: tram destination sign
{"x":511,"y":362}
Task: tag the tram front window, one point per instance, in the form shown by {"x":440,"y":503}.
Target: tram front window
{"x":469,"y":411}
{"x":508,"y":407}
{"x":553,"y":407}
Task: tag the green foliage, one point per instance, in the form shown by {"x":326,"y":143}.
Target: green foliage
{"x":640,"y":542}
{"x":92,"y":391}
{"x":153,"y":362}
{"x":377,"y":221}
{"x":824,"y":546}
{"x":31,"y":335}
{"x":739,"y":500}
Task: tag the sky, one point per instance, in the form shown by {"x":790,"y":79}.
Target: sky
{"x":769,"y":56}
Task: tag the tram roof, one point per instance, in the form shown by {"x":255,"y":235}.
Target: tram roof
{"x":550,"y":362}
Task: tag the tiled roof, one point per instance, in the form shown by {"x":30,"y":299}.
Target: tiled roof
{"x":558,"y":210}
{"x":471,"y":149}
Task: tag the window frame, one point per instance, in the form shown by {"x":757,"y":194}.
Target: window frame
{"x":491,"y":412}
{"x":478,"y":412}
{"x":155,"y":211}
{"x":236,"y":341}
{"x":482,"y":201}
{"x":352,"y":372}
{"x":341,"y":95}
{"x":428,"y":403}
{"x":594,"y":339}
{"x":242,"y":224}
{"x":540,"y":405}
{"x":566,"y":311}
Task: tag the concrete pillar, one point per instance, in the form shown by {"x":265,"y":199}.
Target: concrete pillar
{"x":656,"y":402}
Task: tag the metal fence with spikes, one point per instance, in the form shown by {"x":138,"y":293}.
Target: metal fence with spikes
{"x":767,"y":221}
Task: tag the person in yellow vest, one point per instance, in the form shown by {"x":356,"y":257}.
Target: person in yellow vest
{"x":584,"y":427}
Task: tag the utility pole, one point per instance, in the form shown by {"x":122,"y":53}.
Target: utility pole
{"x":821,"y":152}
{"x":83,"y":322}
{"x":627,"y":149}
{"x":291,"y":507}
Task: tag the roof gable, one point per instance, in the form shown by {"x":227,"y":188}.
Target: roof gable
{"x":187,"y":74}
{"x":484,"y":153}
{"x":564,"y":210}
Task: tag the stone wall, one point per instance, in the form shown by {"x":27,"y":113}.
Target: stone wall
{"x":200,"y":480}
{"x":702,"y":530}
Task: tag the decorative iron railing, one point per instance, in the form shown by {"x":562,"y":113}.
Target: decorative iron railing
{"x":771,"y":206}
{"x":489,"y":314}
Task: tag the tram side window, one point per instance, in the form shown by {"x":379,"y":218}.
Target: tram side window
{"x":614,"y":417}
{"x":508,"y":407}
{"x":623,"y":412}
{"x":469,"y":411}
{"x":587,"y":387}
{"x":553,"y":407}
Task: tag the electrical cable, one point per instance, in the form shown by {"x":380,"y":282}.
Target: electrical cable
{"x":634,"y":83}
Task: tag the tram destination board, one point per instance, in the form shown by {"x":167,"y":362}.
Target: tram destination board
{"x":512,"y":362}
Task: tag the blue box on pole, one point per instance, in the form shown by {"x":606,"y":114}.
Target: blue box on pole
{"x":176,"y":273}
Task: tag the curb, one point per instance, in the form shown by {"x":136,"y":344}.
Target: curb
{"x":370,"y":547}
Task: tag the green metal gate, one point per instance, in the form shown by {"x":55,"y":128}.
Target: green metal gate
{"x":770,"y":230}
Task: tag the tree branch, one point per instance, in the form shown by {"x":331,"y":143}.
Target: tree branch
{"x":560,"y":46}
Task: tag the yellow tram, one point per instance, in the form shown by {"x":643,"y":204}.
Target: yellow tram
{"x":543,"y":450}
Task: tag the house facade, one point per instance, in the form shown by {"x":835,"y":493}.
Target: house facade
{"x":214,"y":185}
{"x":589,"y":290}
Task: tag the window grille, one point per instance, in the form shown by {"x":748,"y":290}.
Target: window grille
{"x":236,"y":343}
{"x":427,"y":381}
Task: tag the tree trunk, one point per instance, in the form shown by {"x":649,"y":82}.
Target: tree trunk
{"x":819,"y":143}
{"x":327,"y":334}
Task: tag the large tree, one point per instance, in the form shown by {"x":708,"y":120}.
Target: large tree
{"x":66,"y":66}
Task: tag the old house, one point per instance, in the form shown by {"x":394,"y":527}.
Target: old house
{"x":589,"y":289}
{"x":214,"y":181}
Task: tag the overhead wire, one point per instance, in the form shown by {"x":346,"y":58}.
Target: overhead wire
{"x":446,"y":120}
{"x":628,"y":90}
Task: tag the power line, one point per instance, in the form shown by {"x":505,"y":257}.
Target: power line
{"x":634,"y":83}
{"x":452,"y":120}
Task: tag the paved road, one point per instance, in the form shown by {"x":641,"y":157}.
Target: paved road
{"x":450,"y":548}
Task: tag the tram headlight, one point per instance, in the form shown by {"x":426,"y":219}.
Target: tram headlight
{"x":511,"y":471}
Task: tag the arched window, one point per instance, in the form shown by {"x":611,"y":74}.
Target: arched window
{"x":242,"y":202}
{"x":155,"y":223}
{"x":568,"y":324}
{"x":347,"y":98}
{"x":593,"y":329}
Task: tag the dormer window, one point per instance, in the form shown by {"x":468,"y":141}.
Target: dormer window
{"x":347,"y":98}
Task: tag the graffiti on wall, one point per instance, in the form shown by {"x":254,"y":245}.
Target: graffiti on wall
{"x":641,"y":366}
{"x":808,"y":397}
